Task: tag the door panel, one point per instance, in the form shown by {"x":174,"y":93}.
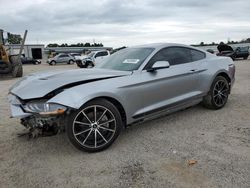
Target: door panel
{"x":60,"y":59}
{"x":150,"y":91}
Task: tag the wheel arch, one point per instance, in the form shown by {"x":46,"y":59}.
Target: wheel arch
{"x":225,"y":75}
{"x":117,"y":104}
{"x":52,"y":61}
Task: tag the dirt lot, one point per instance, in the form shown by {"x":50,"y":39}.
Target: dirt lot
{"x":153,"y":154}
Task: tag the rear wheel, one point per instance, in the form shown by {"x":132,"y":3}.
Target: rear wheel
{"x":245,"y":57}
{"x":95,"y":126}
{"x":71,"y":61}
{"x":90,"y":64}
{"x":218,"y":94}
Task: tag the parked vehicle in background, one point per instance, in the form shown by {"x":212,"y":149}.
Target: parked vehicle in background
{"x":210,"y":51}
{"x":241,"y":52}
{"x":228,"y":51}
{"x":30,"y":60}
{"x":133,"y":85}
{"x":61,"y":58}
{"x":92,"y":59}
{"x":225,"y":50}
{"x":117,"y":49}
{"x":75,"y":55}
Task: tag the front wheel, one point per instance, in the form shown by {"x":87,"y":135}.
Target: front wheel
{"x":52,"y":63}
{"x":218,"y":94}
{"x":95,"y":126}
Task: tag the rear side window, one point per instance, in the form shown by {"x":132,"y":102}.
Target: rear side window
{"x":64,"y":55}
{"x":104,"y":53}
{"x":174,"y":55}
{"x":197,"y":55}
{"x":99,"y":54}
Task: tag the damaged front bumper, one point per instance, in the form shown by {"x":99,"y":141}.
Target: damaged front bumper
{"x":39,"y":117}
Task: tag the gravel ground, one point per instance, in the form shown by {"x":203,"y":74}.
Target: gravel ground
{"x":152,"y":154}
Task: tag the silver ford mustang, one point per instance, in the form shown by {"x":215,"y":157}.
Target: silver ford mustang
{"x":132,"y":85}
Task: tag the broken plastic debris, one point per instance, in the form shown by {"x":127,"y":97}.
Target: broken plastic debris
{"x":192,"y":162}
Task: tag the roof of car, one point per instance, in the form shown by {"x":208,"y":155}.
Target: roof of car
{"x":160,"y":45}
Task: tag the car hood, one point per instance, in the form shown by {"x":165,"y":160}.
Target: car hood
{"x":224,"y":47}
{"x":38,"y":85}
{"x":81,"y":57}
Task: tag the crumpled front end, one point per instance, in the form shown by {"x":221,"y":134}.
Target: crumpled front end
{"x":38,"y":116}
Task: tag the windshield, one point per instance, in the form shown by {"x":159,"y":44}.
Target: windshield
{"x":91,"y":54}
{"x":128,"y":59}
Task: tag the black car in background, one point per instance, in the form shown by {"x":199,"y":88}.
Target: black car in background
{"x":241,"y":52}
{"x":228,"y":51}
{"x":29,"y":60}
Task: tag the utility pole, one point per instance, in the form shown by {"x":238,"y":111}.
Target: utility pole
{"x":1,"y":37}
{"x":22,"y":45}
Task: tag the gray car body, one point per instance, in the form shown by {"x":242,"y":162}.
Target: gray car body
{"x":141,"y":94}
{"x":59,"y":59}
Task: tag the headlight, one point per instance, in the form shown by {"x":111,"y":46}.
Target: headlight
{"x":44,"y":108}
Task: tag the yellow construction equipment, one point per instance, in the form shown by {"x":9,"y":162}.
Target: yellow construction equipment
{"x":10,"y":64}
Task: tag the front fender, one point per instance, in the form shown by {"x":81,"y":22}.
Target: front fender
{"x":77,"y":96}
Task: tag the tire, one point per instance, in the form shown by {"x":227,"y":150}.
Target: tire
{"x":52,"y":63}
{"x":218,"y":94}
{"x":71,"y":61}
{"x":90,"y":64}
{"x":93,"y":133}
{"x":245,"y":57}
{"x":17,"y":68}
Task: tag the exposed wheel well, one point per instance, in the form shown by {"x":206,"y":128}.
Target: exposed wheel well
{"x":118,"y":105}
{"x":225,"y":75}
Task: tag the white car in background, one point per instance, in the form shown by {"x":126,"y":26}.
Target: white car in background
{"x":92,"y":58}
{"x":61,"y":58}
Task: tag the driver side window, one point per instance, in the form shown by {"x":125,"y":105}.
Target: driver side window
{"x":174,"y":55}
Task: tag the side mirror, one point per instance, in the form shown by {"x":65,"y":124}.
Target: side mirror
{"x":159,"y":65}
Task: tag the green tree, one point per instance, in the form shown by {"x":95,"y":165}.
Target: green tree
{"x":14,"y":38}
{"x":53,"y":45}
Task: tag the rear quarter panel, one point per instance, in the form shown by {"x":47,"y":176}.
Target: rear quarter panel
{"x":215,"y":65}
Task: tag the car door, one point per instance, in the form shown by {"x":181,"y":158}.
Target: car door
{"x":65,"y":58}
{"x":60,"y":58}
{"x":198,"y":68}
{"x":100,"y":56}
{"x":168,"y":87}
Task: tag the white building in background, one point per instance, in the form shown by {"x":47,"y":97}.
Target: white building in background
{"x":35,"y":51}
{"x":38,"y":51}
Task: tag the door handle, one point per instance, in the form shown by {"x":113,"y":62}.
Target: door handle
{"x":193,"y":70}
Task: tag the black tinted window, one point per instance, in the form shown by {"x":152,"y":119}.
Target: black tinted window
{"x":104,"y":53}
{"x":197,"y":55}
{"x":174,"y":55}
{"x":99,"y":54}
{"x":63,"y":56}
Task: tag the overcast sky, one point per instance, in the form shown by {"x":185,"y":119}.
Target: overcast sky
{"x":127,"y":22}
